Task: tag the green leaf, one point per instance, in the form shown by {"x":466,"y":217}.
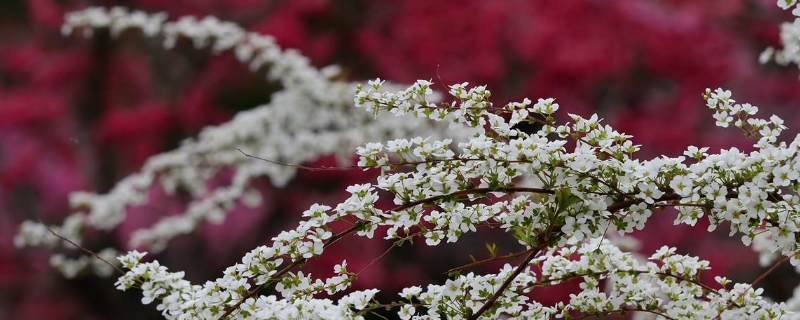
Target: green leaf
{"x":565,"y":198}
{"x":492,"y":248}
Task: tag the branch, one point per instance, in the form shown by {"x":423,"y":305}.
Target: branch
{"x":90,"y":252}
{"x":252,"y":293}
{"x":511,"y":189}
{"x":396,"y":164}
{"x":485,"y":261}
{"x":322,"y":168}
{"x":533,"y":253}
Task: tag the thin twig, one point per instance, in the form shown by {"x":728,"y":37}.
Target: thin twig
{"x":493,"y":299}
{"x":395,"y":164}
{"x":485,"y":261}
{"x":377,"y":315}
{"x":385,"y":252}
{"x":322,"y":168}
{"x":90,"y":252}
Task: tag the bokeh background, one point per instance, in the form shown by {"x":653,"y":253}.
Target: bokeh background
{"x":80,"y":114}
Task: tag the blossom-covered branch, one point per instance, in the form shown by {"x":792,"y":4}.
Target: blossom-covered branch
{"x":437,"y":198}
{"x":560,"y":191}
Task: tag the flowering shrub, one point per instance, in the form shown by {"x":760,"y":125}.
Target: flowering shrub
{"x":479,"y":169}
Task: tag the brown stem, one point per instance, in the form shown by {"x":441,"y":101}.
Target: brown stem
{"x":385,"y":252}
{"x":90,"y":252}
{"x":545,"y":241}
{"x":485,"y":261}
{"x":322,"y":168}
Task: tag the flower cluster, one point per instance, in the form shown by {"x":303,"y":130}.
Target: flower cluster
{"x":582,"y":195}
{"x":790,"y":39}
{"x":667,"y":285}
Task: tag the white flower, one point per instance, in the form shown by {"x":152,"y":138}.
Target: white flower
{"x":723,"y":119}
{"x":406,"y":312}
{"x":786,"y":4}
{"x":649,"y":192}
{"x":695,"y":152}
{"x":681,"y":185}
{"x":452,"y":288}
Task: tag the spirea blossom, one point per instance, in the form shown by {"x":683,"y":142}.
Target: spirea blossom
{"x":462,"y":172}
{"x":560,"y":225}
